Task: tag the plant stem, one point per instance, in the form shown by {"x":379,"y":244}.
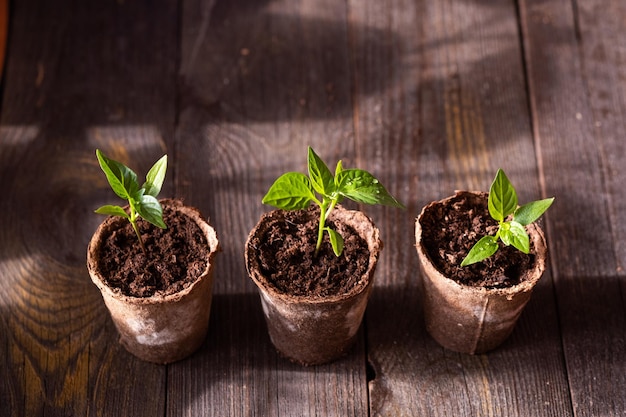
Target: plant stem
{"x":320,"y":228}
{"x":333,"y":203}
{"x":324,"y":213}
{"x":143,"y":247}
{"x":133,"y":222}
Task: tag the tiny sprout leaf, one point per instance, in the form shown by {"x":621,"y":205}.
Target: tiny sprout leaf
{"x":515,"y":235}
{"x":155,"y":177}
{"x":135,"y":198}
{"x":150,"y":209}
{"x":321,"y":178}
{"x":484,"y":248}
{"x":113,"y":211}
{"x":291,"y":191}
{"x":361,"y":186}
{"x":142,"y":201}
{"x":338,"y":169}
{"x":122,"y":179}
{"x":294,"y":191}
{"x":503,"y":202}
{"x":528,"y":213}
{"x":502,"y":197}
{"x":336,"y":241}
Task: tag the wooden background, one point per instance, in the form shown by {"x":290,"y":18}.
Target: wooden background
{"x":430,"y":96}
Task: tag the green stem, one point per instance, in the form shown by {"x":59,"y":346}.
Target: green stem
{"x":333,"y":203}
{"x":324,"y":213}
{"x":320,"y":231}
{"x":497,"y":235}
{"x":133,"y":222}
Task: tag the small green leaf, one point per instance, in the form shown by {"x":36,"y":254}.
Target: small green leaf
{"x":515,"y":234}
{"x":150,"y":210}
{"x":530,"y":212}
{"x":502,"y":197}
{"x":336,"y":241}
{"x":361,"y":186}
{"x":113,"y":211}
{"x":291,"y":191}
{"x":122,"y":179}
{"x":155,"y":177}
{"x":321,"y":178}
{"x":484,"y":248}
{"x":136,"y":197}
{"x":338,"y":169}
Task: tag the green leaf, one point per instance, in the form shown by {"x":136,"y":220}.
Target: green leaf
{"x":122,"y":179}
{"x":322,"y":180}
{"x":502,"y":197}
{"x":530,"y":212}
{"x":338,"y":170}
{"x":155,"y":177}
{"x":363,"y":187}
{"x":113,"y":211}
{"x":515,"y":234}
{"x":150,"y":210}
{"x":336,"y":241}
{"x":484,"y":248}
{"x":291,"y":191}
{"x":136,"y":197}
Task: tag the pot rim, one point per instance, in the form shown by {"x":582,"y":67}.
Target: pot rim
{"x":358,"y":220}
{"x":533,"y":275}
{"x":113,"y":222}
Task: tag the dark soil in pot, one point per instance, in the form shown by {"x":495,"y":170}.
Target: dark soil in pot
{"x":448,"y":233}
{"x":161,"y":316}
{"x":175,"y":257}
{"x":472,"y":309}
{"x":286,"y":257}
{"x":318,"y":322}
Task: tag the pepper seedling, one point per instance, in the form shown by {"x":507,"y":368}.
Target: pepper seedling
{"x":295,"y":191}
{"x":142,"y":201}
{"x":502,"y":203}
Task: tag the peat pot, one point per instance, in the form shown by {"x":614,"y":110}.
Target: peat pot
{"x":159,"y":328}
{"x":472,"y":319}
{"x":308,"y":330}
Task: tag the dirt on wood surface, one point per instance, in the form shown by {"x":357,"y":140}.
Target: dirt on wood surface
{"x":449,"y":232}
{"x":175,"y":257}
{"x":286,"y":257}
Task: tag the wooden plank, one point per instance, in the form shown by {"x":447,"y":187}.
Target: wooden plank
{"x":4,"y":30}
{"x":603,"y":50}
{"x":453,"y":110}
{"x":576,"y":82}
{"x":80,"y":75}
{"x":261,"y":81}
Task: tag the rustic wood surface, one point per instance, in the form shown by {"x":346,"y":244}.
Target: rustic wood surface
{"x":430,"y":96}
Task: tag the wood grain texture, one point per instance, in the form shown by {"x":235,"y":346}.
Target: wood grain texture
{"x":262,"y":80}
{"x":572,"y":95}
{"x":429,"y":96}
{"x":453,"y":113}
{"x":80,"y":75}
{"x":4,"y":31}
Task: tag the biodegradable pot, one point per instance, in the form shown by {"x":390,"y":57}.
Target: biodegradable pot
{"x":307,"y":330}
{"x":160,"y":328}
{"x":471,"y":319}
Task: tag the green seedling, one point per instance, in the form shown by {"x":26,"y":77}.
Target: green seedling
{"x":142,"y":201}
{"x":295,"y":191}
{"x":503,"y":203}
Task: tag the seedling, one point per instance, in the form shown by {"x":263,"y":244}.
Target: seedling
{"x":295,"y":191}
{"x":142,"y":201}
{"x":502,"y":203}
